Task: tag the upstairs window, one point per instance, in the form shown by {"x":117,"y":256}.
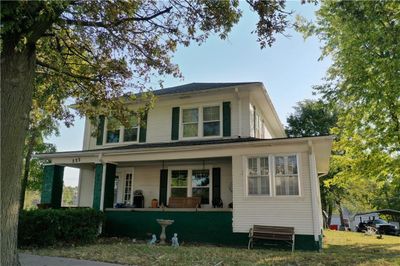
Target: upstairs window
{"x":211,"y":121}
{"x":258,"y":176}
{"x":286,"y":175}
{"x":117,"y":133}
{"x":201,"y":122}
{"x":113,"y":130}
{"x":190,"y":122}
{"x":132,"y":131}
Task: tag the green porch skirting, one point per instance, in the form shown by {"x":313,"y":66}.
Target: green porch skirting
{"x":192,"y":227}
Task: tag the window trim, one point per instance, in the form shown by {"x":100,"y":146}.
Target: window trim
{"x":272,"y":177}
{"x":200,"y":132}
{"x":270,"y":194}
{"x":121,"y":134}
{"x":190,"y":169}
{"x":298,"y":174}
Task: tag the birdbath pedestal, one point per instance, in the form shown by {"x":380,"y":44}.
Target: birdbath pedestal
{"x":164,"y":224}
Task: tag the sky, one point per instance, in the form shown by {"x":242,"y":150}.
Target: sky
{"x":289,"y":69}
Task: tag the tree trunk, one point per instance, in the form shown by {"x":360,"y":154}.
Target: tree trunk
{"x":330,"y":211}
{"x":342,"y":225}
{"x":17,"y":83}
{"x":27,"y":166}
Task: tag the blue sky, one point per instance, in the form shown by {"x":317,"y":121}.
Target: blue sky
{"x":288,"y":69}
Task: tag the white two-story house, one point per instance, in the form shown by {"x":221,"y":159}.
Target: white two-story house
{"x":213,"y":157}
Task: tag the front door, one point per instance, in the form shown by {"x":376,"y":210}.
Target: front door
{"x":124,"y":188}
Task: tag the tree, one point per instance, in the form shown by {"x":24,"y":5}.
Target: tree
{"x":310,"y":118}
{"x":92,"y":51}
{"x":362,"y":39}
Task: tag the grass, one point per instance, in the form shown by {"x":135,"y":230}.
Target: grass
{"x":340,"y":248}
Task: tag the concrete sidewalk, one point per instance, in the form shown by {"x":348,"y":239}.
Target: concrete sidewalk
{"x":34,"y":260}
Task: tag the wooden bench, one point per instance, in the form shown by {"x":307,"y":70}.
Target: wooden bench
{"x":271,"y":233}
{"x":184,"y":202}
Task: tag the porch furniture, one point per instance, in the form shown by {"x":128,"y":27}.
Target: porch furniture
{"x":138,"y":199}
{"x":271,"y":233}
{"x":184,"y":202}
{"x":164,"y":224}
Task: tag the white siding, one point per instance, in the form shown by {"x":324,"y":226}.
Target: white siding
{"x":86,"y":187}
{"x":160,"y":117}
{"x":147,"y":179}
{"x":293,"y":211}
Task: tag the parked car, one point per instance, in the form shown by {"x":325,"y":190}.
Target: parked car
{"x":381,"y":226}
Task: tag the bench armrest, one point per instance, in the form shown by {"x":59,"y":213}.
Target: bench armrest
{"x":251,"y":232}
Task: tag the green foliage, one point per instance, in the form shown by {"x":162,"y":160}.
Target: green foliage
{"x":362,"y":38}
{"x":57,"y":226}
{"x":69,"y":196}
{"x":311,"y":118}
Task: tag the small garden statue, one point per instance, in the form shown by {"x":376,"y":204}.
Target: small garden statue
{"x":174,"y":240}
{"x":153,"y":239}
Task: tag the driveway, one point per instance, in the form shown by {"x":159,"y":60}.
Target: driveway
{"x":34,"y":260}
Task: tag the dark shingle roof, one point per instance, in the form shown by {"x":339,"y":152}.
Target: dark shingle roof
{"x":192,"y":87}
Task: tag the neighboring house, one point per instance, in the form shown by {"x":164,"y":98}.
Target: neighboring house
{"x":216,"y":141}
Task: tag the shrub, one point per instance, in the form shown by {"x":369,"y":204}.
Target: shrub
{"x":50,"y":226}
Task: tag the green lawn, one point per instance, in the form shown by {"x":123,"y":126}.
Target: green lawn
{"x":340,"y":248}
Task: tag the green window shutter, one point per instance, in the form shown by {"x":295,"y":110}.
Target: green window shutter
{"x":216,"y":183}
{"x":109,"y":185}
{"x":226,"y":117}
{"x":175,"y":124}
{"x":143,"y":129}
{"x":163,"y":187}
{"x":100,"y":131}
{"x":52,"y":185}
{"x":97,"y":186}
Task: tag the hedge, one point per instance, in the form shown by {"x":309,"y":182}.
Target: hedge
{"x":46,"y":227}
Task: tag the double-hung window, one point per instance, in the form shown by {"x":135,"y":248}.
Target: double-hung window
{"x":258,"y":176}
{"x":286,"y":175}
{"x":132,"y":131}
{"x":113,"y":130}
{"x":190,"y":122}
{"x":201,"y":122}
{"x":117,"y":133}
{"x":201,"y":185}
{"x":179,"y":181}
{"x":211,"y":121}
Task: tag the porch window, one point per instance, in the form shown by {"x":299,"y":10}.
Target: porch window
{"x":286,"y":175}
{"x":211,"y":121}
{"x":179,"y":183}
{"x":128,"y":189}
{"x":131,"y":132}
{"x":190,"y":122}
{"x":201,"y":185}
{"x":113,"y":130}
{"x":258,"y":176}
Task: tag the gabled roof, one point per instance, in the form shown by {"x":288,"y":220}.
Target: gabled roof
{"x":195,"y":87}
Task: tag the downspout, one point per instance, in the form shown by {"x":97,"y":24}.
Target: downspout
{"x":314,"y":194}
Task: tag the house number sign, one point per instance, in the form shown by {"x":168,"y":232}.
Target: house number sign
{"x":76,"y":160}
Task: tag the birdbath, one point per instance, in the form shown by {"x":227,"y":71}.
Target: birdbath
{"x":164,"y":224}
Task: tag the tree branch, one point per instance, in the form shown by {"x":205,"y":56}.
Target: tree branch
{"x":101,"y":24}
{"x":43,"y":64}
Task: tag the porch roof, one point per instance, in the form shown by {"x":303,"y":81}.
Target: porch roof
{"x":321,"y":144}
